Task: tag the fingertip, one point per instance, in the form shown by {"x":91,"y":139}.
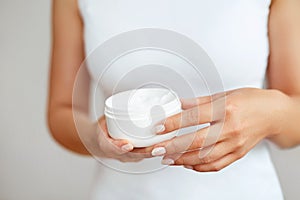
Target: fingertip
{"x":158,"y":151}
{"x":167,"y":161}
{"x":124,"y":145}
{"x":159,"y":129}
{"x":127,"y":147}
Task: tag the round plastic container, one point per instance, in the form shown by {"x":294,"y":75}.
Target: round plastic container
{"x":134,"y":114}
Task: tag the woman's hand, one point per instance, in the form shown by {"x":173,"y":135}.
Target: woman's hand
{"x":250,"y":115}
{"x":107,"y":147}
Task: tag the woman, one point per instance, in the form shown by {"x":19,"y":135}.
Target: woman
{"x":253,"y":38}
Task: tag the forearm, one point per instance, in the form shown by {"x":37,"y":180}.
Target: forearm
{"x":288,"y":134}
{"x":65,"y":128}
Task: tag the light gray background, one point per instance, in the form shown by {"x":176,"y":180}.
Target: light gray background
{"x":32,"y":165}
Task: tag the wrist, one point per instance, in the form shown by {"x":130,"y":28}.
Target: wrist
{"x":280,"y":104}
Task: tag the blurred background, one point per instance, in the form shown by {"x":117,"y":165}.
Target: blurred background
{"x":32,"y":165}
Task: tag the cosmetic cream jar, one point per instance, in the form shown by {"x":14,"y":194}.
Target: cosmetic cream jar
{"x":135,"y":115}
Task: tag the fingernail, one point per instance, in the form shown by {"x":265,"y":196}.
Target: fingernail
{"x":159,"y":151}
{"x":127,"y":147}
{"x":188,"y":166}
{"x":167,"y":161}
{"x":160,"y":128}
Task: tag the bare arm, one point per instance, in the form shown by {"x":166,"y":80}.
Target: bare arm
{"x":284,"y":67}
{"x":67,"y":55}
{"x":68,"y":116}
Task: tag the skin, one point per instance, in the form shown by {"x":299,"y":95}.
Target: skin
{"x":68,"y":34}
{"x":251,"y":115}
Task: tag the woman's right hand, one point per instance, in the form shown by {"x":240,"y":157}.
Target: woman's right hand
{"x":118,"y":149}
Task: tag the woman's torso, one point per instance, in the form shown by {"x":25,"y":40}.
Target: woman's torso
{"x":234,"y":35}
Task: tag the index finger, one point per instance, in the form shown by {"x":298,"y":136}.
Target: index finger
{"x":193,"y":102}
{"x":200,"y":114}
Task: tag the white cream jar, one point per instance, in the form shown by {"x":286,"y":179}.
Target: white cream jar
{"x":134,"y":114}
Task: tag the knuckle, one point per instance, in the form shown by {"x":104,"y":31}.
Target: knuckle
{"x":240,"y":154}
{"x":197,"y":115}
{"x":181,"y":160}
{"x":239,"y":144}
{"x":197,"y":141}
{"x":230,"y":108}
{"x":192,"y":115}
{"x":174,"y":147}
{"x":238,"y":127}
{"x":235,"y":129}
{"x":170,"y":124}
{"x":196,"y":144}
{"x":206,"y":160}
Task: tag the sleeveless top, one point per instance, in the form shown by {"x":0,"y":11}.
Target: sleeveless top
{"x":234,"y":35}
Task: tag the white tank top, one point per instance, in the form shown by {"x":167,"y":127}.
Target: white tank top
{"x":234,"y":34}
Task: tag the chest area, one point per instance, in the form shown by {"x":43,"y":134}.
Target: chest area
{"x":234,"y":36}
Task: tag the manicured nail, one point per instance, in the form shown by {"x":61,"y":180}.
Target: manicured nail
{"x":159,"y":151}
{"x":160,"y":128}
{"x":127,"y":147}
{"x":188,"y":166}
{"x":167,"y":161}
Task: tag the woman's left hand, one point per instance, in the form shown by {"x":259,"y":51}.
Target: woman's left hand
{"x":250,"y":115}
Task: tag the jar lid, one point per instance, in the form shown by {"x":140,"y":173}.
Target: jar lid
{"x":138,"y":103}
